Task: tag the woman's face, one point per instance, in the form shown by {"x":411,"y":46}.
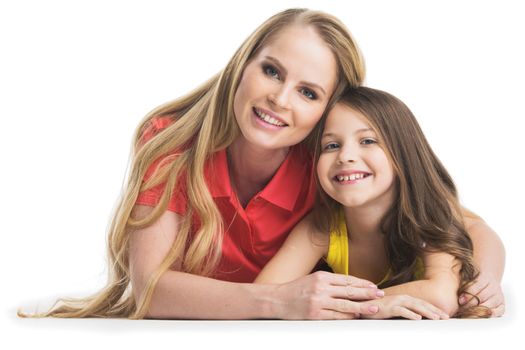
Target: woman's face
{"x":353,"y":168}
{"x":285,"y":88}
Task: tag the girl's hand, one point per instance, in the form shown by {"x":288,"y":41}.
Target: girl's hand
{"x":488,"y":291}
{"x":405,"y":306}
{"x":324,"y":295}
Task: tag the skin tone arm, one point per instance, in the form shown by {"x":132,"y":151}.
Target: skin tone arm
{"x":438,"y":286}
{"x":489,"y":257}
{"x":300,"y":253}
{"x":441,"y":280}
{"x":183,"y":295}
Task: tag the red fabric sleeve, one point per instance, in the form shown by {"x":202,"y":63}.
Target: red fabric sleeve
{"x":151,"y":197}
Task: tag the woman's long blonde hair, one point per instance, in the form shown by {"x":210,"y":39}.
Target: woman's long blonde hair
{"x":203,"y":123}
{"x":426,"y":214}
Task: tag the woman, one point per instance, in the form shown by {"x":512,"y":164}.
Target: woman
{"x":250,"y":122}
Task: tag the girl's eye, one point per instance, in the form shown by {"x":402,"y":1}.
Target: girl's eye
{"x":271,"y":71}
{"x":331,"y":146}
{"x":308,"y":93}
{"x":368,"y":141}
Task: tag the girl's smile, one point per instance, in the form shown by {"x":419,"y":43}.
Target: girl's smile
{"x":350,"y":177}
{"x":353,"y":168}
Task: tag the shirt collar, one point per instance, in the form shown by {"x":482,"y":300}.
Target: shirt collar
{"x":283,"y":189}
{"x":219,"y":176}
{"x":291,"y":177}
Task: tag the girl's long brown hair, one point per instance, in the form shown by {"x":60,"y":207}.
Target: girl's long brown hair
{"x":203,"y":123}
{"x":426,"y":216}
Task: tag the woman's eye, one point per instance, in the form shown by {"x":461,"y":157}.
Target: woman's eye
{"x":368,"y":141}
{"x":331,"y":146}
{"x":271,"y":71}
{"x":309,"y":94}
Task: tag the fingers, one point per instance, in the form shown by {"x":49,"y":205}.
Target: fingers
{"x":493,"y":300}
{"x":467,"y":299}
{"x":356,"y":293}
{"x":406,"y":313}
{"x":334,"y":315}
{"x":344,"y":280}
{"x":496,"y":304}
{"x":498,"y":311}
{"x":407,"y":307}
{"x":426,"y":310}
{"x":350,"y":307}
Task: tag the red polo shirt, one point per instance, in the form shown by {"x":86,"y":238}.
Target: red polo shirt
{"x":254,"y":234}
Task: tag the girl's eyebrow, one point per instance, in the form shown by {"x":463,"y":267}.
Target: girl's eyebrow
{"x":284,"y":72}
{"x":327,"y":134}
{"x":363,"y":130}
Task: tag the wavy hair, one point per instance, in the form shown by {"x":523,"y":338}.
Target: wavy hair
{"x":202,"y":123}
{"x":426,"y":216}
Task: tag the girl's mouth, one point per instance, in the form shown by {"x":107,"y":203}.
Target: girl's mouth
{"x":350,"y":178}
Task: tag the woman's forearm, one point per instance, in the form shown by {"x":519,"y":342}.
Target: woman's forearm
{"x":489,"y":252}
{"x":180,"y":295}
{"x":321,"y":295}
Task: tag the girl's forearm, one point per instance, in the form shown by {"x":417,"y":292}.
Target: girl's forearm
{"x":439,"y":292}
{"x":181,"y":295}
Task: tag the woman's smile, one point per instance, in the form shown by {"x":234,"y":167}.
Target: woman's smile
{"x":284,"y":91}
{"x":268,"y":119}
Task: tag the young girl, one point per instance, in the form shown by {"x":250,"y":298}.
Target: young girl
{"x":387,"y":211}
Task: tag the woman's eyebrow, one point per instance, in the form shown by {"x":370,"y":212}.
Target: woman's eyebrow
{"x":284,"y":72}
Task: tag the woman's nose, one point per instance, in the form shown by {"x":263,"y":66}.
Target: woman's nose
{"x":281,"y":97}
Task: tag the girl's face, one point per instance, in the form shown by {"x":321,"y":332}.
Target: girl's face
{"x":285,"y":88}
{"x":353,"y":169}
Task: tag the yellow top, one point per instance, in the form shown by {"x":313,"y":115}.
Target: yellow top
{"x":337,"y":257}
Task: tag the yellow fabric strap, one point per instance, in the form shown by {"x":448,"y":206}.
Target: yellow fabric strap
{"x":337,"y":257}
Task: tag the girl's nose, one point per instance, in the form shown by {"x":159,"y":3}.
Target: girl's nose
{"x":346,"y":155}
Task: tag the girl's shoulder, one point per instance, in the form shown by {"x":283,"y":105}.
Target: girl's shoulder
{"x":315,"y":235}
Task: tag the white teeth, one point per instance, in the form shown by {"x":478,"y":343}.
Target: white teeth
{"x":268,"y":119}
{"x":351,"y":177}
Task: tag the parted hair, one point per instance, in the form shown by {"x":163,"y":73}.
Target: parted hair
{"x":426,"y":214}
{"x":203,"y":123}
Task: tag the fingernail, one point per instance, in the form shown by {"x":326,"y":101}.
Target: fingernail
{"x":373,"y":309}
{"x":380,"y":293}
{"x":371,"y":285}
{"x":462,"y":300}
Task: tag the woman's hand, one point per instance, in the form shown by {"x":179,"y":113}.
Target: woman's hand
{"x":489,"y":257}
{"x":488,"y":290}
{"x":404,"y":306}
{"x":324,"y":295}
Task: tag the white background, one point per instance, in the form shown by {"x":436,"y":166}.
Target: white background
{"x":77,"y":76}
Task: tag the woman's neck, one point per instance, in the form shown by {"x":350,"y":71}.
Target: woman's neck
{"x":251,"y":167}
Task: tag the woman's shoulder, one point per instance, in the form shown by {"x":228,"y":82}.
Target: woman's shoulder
{"x":154,"y":126}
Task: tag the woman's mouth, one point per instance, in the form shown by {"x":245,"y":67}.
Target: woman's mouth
{"x":264,"y":117}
